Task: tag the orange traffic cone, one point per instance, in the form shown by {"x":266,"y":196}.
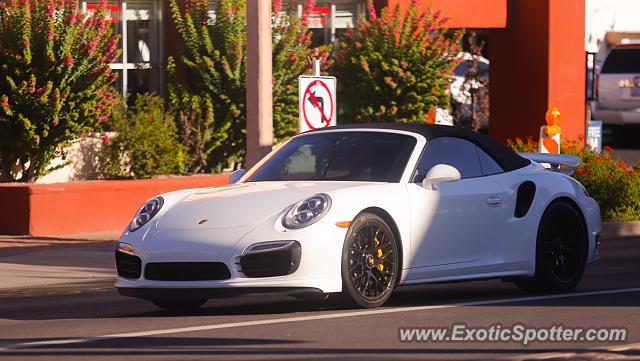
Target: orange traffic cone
{"x":550,"y":133}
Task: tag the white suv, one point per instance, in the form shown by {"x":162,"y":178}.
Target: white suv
{"x":618,"y":87}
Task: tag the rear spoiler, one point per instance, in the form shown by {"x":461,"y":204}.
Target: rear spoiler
{"x":561,"y":163}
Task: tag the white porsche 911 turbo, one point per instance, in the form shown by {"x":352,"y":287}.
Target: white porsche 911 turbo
{"x":361,"y":210}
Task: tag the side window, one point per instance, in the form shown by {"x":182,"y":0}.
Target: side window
{"x":455,"y":152}
{"x":489,"y":166}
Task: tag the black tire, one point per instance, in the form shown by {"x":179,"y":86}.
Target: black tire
{"x":179,"y":305}
{"x":561,"y":251}
{"x":370,"y":262}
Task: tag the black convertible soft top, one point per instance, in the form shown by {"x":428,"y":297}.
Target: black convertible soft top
{"x":505,"y":157}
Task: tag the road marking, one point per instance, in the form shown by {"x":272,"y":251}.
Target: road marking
{"x":379,"y":311}
{"x":621,"y":348}
{"x":575,"y":355}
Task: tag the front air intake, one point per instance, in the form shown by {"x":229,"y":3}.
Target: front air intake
{"x":279,"y":262}
{"x":128,"y":266}
{"x":186,"y":271}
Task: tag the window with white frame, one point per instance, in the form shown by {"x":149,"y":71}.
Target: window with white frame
{"x":138,"y":25}
{"x":328,"y":20}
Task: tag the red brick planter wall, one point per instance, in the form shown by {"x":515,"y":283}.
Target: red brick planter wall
{"x":83,"y":207}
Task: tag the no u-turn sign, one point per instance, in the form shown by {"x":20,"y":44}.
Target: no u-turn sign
{"x":317,"y":102}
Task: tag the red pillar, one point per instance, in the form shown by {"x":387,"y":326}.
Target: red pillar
{"x":567,"y":66}
{"x":537,"y":61}
{"x":461,"y":13}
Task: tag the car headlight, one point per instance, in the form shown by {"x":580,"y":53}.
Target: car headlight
{"x":307,"y":212}
{"x":146,"y":213}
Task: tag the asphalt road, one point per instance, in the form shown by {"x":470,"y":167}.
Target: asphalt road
{"x":90,"y":321}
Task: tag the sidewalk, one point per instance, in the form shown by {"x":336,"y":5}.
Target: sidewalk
{"x":28,"y":262}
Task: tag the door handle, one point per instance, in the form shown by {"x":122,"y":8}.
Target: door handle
{"x":494,"y":200}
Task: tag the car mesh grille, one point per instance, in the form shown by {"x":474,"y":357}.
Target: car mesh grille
{"x":186,"y":271}
{"x":128,"y":266}
{"x":271,"y":263}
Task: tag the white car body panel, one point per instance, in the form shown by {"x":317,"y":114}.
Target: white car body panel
{"x":482,"y":237}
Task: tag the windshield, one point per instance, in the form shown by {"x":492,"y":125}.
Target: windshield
{"x":339,"y":156}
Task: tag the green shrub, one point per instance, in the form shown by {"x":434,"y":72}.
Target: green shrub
{"x":613,"y":183}
{"x":144,"y":143}
{"x":528,"y":145}
{"x":54,"y":73}
{"x":395,"y":67}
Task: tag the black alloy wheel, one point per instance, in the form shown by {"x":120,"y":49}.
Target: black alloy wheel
{"x":370,"y":261}
{"x":561,"y":250}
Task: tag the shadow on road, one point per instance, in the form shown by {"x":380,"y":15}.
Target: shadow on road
{"x":189,"y":347}
{"x":87,"y":255}
{"x":108,"y":305}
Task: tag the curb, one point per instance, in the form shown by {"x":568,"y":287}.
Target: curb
{"x":620,"y":229}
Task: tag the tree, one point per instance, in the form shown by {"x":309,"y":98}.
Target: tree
{"x":54,"y":77}
{"x":214,"y":55}
{"x":395,"y":67}
{"x":196,"y":127}
{"x":471,"y":106}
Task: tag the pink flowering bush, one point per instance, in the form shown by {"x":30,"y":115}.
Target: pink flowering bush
{"x":612,"y":182}
{"x":214,"y":54}
{"x":54,"y":77}
{"x":395,"y":67}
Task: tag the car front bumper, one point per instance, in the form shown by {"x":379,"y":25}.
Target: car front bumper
{"x":318,"y":271}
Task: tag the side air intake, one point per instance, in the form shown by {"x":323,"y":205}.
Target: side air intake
{"x":526,"y":193}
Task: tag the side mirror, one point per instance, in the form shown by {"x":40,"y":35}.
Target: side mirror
{"x":440,"y":173}
{"x":236,"y":175}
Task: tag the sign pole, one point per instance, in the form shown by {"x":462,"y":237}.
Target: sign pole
{"x":259,"y":138}
{"x":316,"y":67}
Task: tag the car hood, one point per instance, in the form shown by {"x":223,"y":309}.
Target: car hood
{"x":242,"y":204}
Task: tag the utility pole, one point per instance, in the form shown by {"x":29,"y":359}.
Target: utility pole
{"x":259,"y":81}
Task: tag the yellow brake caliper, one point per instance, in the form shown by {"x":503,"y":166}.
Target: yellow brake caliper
{"x":379,"y":254}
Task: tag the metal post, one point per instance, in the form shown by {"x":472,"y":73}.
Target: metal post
{"x":332,"y":22}
{"x":316,"y":67}
{"x":125,"y":57}
{"x":259,"y":81}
